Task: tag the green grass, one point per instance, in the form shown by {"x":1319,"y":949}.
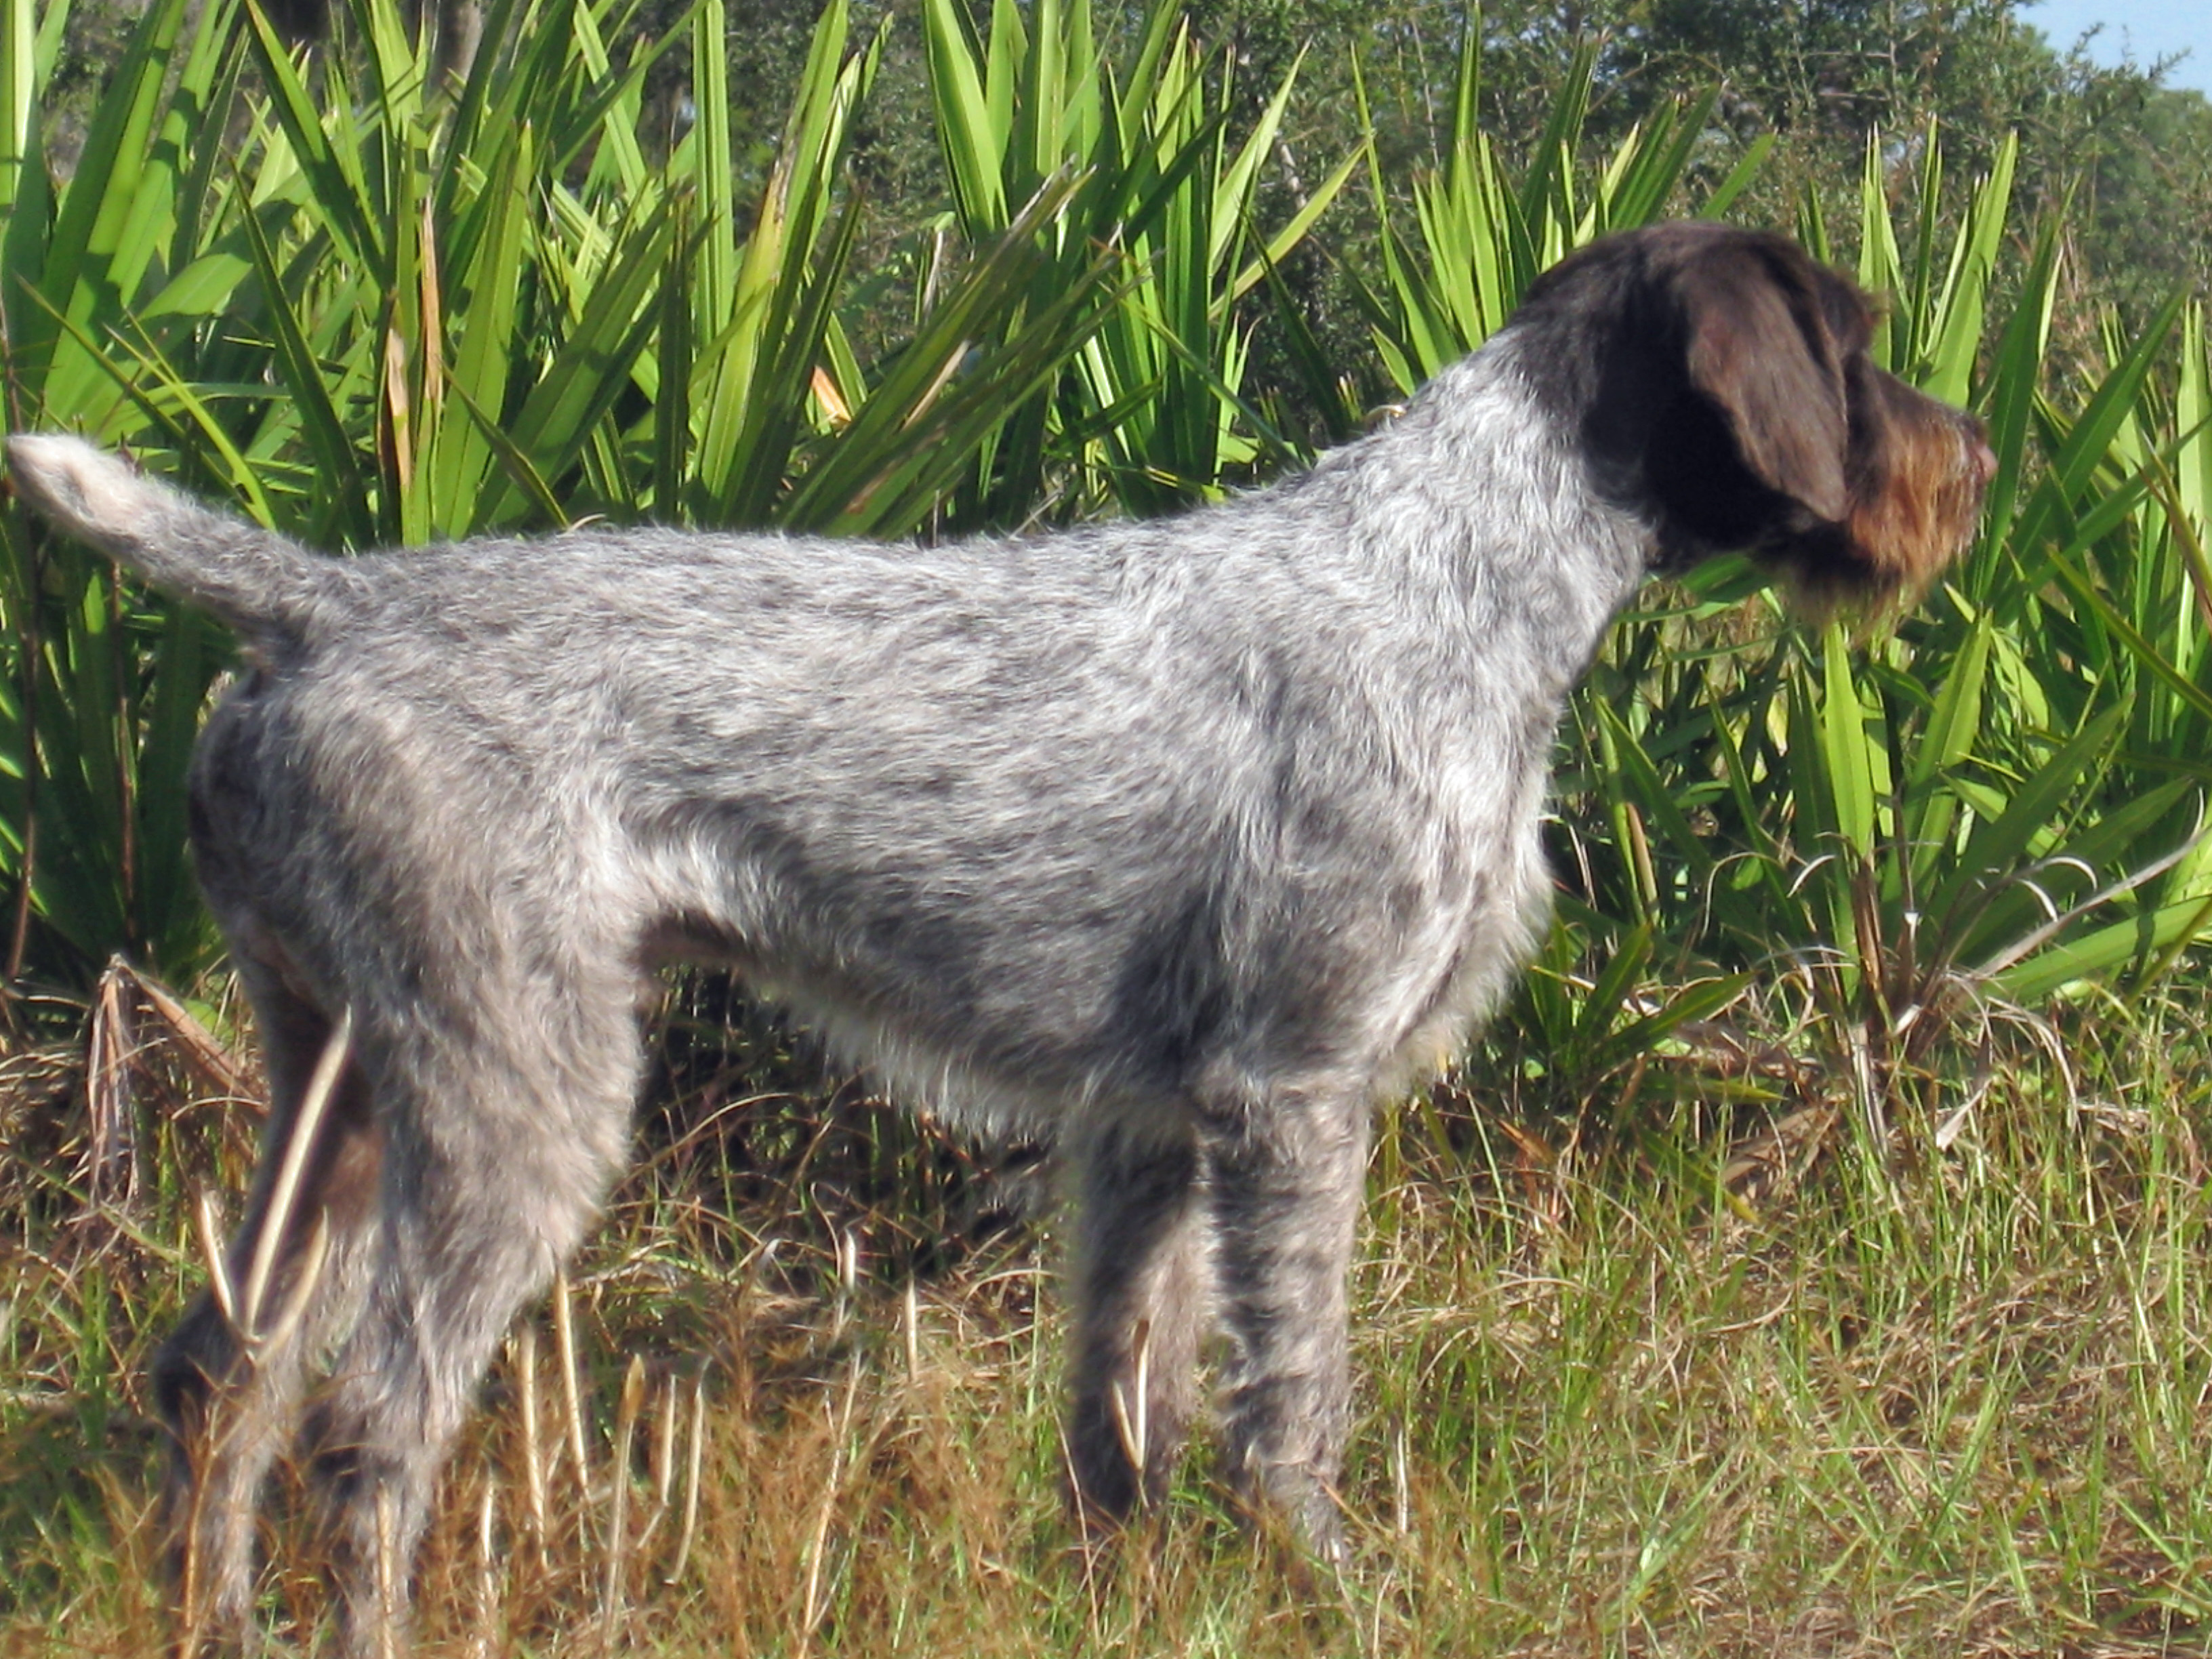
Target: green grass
{"x":1802,"y":1386}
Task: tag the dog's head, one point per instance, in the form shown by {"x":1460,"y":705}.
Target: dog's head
{"x":1721,"y":382}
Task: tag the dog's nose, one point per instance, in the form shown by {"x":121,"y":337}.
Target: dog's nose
{"x":1979,"y":456}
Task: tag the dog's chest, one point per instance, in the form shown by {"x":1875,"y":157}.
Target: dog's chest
{"x":1492,"y":903}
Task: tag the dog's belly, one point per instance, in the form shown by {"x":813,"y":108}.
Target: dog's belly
{"x":1015,"y":1001}
{"x":930,"y":1052}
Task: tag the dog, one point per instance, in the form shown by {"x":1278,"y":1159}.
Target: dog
{"x":1178,"y":845}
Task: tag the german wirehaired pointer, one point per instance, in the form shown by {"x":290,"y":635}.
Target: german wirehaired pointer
{"x":1175,"y":844}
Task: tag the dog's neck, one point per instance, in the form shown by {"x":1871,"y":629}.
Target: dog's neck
{"x":1480,"y":492}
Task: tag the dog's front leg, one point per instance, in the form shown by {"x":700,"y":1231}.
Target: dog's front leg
{"x":1288,"y":1169}
{"x":1142,"y":1275}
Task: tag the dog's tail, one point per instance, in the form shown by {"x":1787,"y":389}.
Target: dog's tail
{"x":266,"y":588}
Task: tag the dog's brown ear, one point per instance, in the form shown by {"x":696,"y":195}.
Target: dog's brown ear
{"x":1758,"y":346}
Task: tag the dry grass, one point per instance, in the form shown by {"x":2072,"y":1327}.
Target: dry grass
{"x":1941,"y":1402}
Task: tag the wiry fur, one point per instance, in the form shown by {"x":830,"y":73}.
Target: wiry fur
{"x":1176,"y":844}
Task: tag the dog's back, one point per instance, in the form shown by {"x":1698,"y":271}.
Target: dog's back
{"x":882,"y":780}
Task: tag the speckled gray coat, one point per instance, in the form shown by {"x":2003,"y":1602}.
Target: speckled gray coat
{"x":1176,"y":844}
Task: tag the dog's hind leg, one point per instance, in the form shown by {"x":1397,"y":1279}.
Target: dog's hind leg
{"x":1288,"y":1172}
{"x":1142,"y":1273}
{"x":229,"y":1381}
{"x":504,"y":1124}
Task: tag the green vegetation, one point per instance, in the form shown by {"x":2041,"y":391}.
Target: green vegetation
{"x":1812,"y":1258}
